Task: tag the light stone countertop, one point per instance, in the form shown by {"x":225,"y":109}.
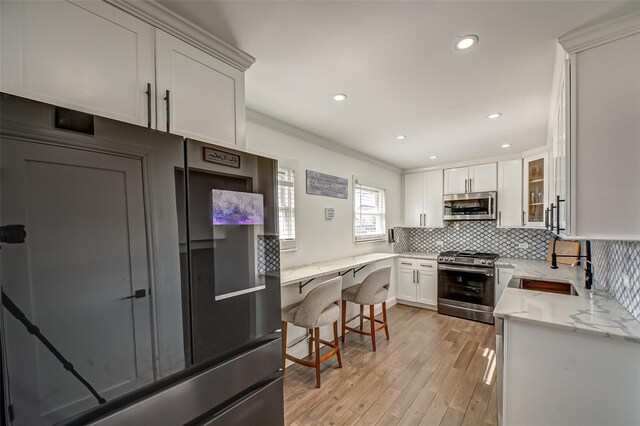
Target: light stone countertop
{"x":302,"y":273}
{"x":418,"y":255}
{"x":598,"y":315}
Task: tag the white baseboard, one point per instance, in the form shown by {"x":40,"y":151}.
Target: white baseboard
{"x":417,"y":305}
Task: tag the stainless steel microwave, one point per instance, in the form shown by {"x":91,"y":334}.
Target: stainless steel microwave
{"x":472,"y":206}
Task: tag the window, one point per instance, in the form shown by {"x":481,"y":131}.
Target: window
{"x":369,"y":212}
{"x":286,"y":209}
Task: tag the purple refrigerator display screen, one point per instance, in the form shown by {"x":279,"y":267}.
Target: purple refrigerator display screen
{"x":237,"y":208}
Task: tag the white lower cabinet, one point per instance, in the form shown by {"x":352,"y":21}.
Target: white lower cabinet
{"x":555,"y":376}
{"x":504,"y":276}
{"x":418,"y":281}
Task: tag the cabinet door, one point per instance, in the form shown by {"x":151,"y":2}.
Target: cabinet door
{"x":413,"y":199}
{"x":483,"y":178}
{"x":456,"y":180}
{"x":406,"y":284}
{"x":504,"y":276}
{"x":535,"y":190}
{"x":428,"y":286}
{"x":606,"y":147}
{"x":89,"y":56}
{"x":510,"y":193}
{"x":206,"y":96}
{"x":433,"y":205}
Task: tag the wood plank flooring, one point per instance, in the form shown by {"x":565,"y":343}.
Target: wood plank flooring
{"x":435,"y":370}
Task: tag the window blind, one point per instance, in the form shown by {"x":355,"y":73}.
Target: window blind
{"x":369,"y":213}
{"x":286,"y":209}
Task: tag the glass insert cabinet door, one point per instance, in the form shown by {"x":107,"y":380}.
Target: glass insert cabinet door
{"x":535,"y":195}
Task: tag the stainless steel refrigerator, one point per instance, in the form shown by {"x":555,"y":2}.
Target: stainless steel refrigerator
{"x":139,"y":274}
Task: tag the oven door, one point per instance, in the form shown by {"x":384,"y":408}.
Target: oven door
{"x":471,"y":285}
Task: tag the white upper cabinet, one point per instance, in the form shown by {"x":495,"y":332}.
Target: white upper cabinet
{"x":206,"y":96}
{"x":535,"y":191}
{"x":462,"y":180}
{"x":87,"y":56}
{"x":456,"y":181}
{"x":510,"y":193}
{"x":433,"y":203}
{"x":604,"y":197}
{"x":423,"y":199}
{"x":483,"y":178}
{"x":413,"y":199}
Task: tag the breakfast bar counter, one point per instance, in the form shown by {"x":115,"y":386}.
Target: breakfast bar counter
{"x":304,"y":274}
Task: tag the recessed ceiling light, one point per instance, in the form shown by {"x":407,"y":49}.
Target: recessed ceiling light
{"x":506,"y":145}
{"x":466,"y":42}
{"x":339,"y":97}
{"x":433,"y":157}
{"x":401,"y":137}
{"x":494,"y":115}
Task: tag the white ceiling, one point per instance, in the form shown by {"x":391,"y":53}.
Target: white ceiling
{"x":396,"y":62}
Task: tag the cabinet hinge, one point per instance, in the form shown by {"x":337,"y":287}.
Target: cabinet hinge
{"x":10,"y":412}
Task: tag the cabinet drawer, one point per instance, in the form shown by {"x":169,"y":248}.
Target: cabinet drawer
{"x":426,"y":265}
{"x":407,"y":263}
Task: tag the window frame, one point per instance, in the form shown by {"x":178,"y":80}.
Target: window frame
{"x":287,"y":244}
{"x":372,"y":238}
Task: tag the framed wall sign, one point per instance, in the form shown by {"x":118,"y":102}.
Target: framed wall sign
{"x":327,"y":185}
{"x":213,"y":155}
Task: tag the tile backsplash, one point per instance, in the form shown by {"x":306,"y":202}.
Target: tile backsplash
{"x":615,"y":262}
{"x":480,"y":235}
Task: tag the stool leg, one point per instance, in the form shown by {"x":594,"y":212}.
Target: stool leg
{"x":361,"y":317}
{"x":316,"y":339}
{"x":344,"y":319}
{"x":284,"y":346}
{"x":373,"y":326}
{"x":384,"y":319}
{"x":310,"y":342}
{"x":336,"y":344}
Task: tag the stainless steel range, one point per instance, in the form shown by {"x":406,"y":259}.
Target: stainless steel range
{"x":466,"y":285}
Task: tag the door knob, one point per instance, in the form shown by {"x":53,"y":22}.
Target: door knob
{"x":12,"y":234}
{"x":139,"y":294}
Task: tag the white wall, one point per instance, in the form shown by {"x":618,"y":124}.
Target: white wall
{"x":319,"y":239}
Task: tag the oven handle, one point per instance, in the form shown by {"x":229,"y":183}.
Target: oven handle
{"x":479,"y":271}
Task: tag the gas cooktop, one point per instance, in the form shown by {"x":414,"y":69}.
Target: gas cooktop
{"x":472,"y":258}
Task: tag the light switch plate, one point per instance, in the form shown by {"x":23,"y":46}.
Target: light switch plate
{"x":329,"y":213}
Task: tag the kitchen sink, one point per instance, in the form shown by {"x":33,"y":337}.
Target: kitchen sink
{"x":545,"y":286}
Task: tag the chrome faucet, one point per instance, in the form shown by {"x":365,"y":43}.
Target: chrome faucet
{"x":588,"y":278}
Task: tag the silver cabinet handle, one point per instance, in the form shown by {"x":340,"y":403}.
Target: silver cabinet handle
{"x":405,"y":263}
{"x":414,"y":277}
{"x":465,"y":186}
{"x":500,"y":218}
{"x":417,"y":277}
{"x":427,"y":266}
{"x":470,"y":185}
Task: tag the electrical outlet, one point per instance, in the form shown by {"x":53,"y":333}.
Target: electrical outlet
{"x":626,"y":281}
{"x":523,"y":245}
{"x":439,"y":243}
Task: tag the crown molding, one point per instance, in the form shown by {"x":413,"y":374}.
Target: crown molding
{"x":172,"y":23}
{"x":269,"y":122}
{"x":601,"y":33}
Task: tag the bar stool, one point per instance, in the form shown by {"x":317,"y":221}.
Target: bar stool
{"x":373,"y":290}
{"x":319,"y":308}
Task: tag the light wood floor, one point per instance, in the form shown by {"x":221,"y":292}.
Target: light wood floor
{"x":435,"y":370}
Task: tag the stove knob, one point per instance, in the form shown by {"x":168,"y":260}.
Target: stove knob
{"x":484,"y":262}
